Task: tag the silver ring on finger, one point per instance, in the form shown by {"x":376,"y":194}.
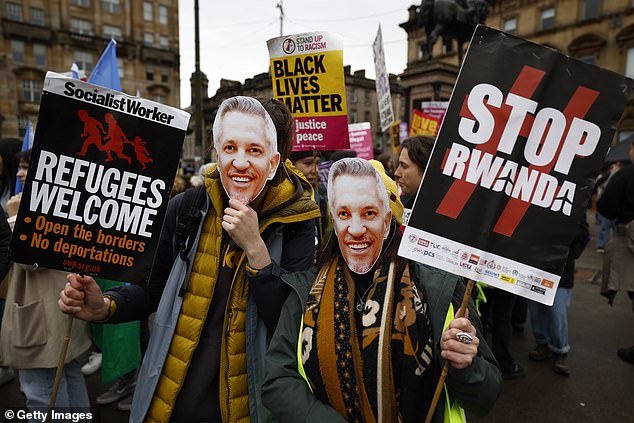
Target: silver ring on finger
{"x":464,"y":337}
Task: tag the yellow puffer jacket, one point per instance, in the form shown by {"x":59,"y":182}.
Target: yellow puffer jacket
{"x":281,"y":205}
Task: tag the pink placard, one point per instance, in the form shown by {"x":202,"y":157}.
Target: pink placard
{"x":321,"y":133}
{"x":361,"y":139}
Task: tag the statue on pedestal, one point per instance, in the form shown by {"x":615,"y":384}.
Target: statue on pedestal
{"x":451,"y":19}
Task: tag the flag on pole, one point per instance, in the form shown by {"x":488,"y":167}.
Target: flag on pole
{"x":74,"y":70}
{"x":27,"y":144}
{"x":106,"y":73}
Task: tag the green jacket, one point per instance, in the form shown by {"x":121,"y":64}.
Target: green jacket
{"x":286,"y":394}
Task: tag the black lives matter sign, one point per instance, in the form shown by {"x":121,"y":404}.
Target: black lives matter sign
{"x":513,"y":167}
{"x":102,"y":167}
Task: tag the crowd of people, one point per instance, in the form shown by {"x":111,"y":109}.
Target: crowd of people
{"x":292,"y":304}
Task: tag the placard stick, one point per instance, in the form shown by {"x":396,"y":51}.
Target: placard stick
{"x":60,"y":365}
{"x":445,"y":369}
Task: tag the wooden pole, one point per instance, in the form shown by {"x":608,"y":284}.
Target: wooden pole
{"x":445,"y":369}
{"x":60,"y":366}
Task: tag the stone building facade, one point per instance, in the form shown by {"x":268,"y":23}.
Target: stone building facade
{"x":41,"y":35}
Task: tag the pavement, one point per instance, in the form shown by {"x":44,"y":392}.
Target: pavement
{"x":600,"y":385}
{"x":599,"y":388}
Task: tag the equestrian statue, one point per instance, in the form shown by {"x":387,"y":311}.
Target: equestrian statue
{"x":451,"y":19}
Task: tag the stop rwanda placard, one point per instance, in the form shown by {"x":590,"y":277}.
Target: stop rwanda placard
{"x":513,"y":166}
{"x":101,"y":171}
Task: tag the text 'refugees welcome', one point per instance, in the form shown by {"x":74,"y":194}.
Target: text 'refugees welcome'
{"x":87,"y":192}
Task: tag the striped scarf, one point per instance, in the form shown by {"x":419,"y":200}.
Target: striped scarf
{"x":382,"y":374}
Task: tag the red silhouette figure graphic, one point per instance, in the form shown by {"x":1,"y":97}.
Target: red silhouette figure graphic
{"x":142,"y":155}
{"x":93,"y":130}
{"x":115,"y":139}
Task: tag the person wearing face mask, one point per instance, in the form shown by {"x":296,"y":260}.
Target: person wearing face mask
{"x":308,"y":162}
{"x":363,"y":335}
{"x":217,"y":306}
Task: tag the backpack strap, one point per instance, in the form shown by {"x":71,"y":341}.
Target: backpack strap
{"x":187,"y":223}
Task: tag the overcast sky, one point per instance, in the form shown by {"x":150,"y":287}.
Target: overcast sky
{"x":233,"y":34}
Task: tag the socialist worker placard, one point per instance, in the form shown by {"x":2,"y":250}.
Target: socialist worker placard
{"x":513,"y":166}
{"x":101,"y":171}
{"x":307,"y":75}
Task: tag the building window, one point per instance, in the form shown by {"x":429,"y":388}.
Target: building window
{"x":121,"y":68}
{"x":159,"y":99}
{"x":111,"y":6}
{"x":39,"y":54}
{"x":82,"y":3}
{"x":352,"y":116}
{"x":353,"y":96}
{"x":164,"y":42}
{"x":163,"y":15}
{"x":14,"y":12}
{"x":149,"y":72}
{"x":165,"y":74}
{"x":84,"y":60}
{"x":112,"y":32}
{"x":148,"y":38}
{"x":547,"y":18}
{"x":629,"y":63}
{"x":23,"y":121}
{"x":510,"y":25}
{"x":81,"y":26}
{"x":366,"y":116}
{"x":31,"y":90}
{"x":148,"y":12}
{"x":17,"y":50}
{"x":591,"y":8}
{"x":37,"y":16}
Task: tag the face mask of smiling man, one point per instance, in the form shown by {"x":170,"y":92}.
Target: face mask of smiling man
{"x":245,"y":141}
{"x":360,"y":212}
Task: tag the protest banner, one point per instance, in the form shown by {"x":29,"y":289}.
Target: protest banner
{"x":361,"y":139}
{"x":307,"y":75}
{"x":512,"y":170}
{"x":423,"y":124}
{"x":436,"y":109}
{"x":403,"y":131}
{"x":102,"y":168}
{"x":382,"y":82}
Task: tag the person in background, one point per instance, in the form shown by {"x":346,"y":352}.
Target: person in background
{"x":550,"y":323}
{"x":617,"y":202}
{"x":607,"y":227}
{"x":7,"y":374}
{"x":33,"y":330}
{"x":308,"y":162}
{"x":9,"y":147}
{"x":387,"y":162}
{"x":412,"y":161}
